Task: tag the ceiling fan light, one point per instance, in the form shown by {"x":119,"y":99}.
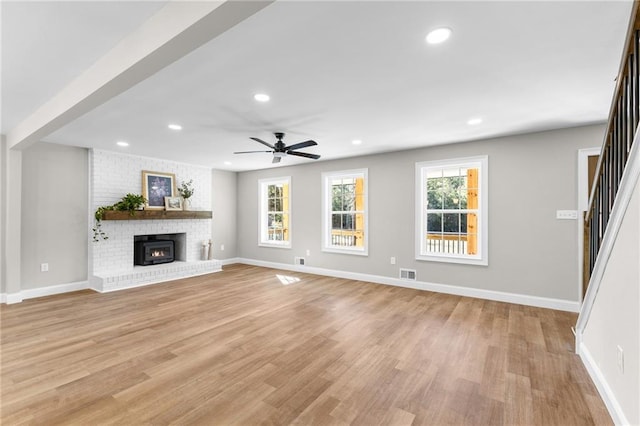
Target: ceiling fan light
{"x":280,"y":154}
{"x":261,"y":97}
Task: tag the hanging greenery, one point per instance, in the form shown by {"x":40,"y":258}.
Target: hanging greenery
{"x":130,"y":203}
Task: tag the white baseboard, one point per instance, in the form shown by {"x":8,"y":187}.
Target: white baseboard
{"x":10,"y":298}
{"x":13,"y":298}
{"x":603,"y":387}
{"x":32,"y":293}
{"x":519,"y":299}
{"x":230,"y":261}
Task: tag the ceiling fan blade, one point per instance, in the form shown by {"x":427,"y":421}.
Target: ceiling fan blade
{"x":263,"y":142}
{"x":301,"y":145}
{"x":276,"y":159}
{"x":304,"y":154}
{"x":249,"y":152}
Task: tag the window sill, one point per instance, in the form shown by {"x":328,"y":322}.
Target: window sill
{"x":345,"y":251}
{"x":280,"y":246}
{"x":451,"y":259}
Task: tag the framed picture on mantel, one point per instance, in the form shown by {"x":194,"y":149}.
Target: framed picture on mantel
{"x":156,"y":186}
{"x":172,"y":203}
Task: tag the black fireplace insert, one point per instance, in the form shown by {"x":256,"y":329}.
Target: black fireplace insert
{"x":152,"y":252}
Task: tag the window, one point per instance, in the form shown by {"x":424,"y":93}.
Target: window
{"x":345,"y":212}
{"x":275,"y":213}
{"x":451,"y":217}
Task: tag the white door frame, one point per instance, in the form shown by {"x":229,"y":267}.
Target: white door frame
{"x":583,"y":204}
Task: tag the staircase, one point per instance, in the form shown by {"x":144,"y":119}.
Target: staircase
{"x":609,"y":322}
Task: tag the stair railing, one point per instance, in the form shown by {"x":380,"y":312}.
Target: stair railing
{"x":619,"y":137}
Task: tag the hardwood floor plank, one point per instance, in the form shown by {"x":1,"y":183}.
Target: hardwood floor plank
{"x":241,"y":348}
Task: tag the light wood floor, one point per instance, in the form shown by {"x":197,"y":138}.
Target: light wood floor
{"x":240,"y":347}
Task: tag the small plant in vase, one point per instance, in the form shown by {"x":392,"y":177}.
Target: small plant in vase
{"x":186,"y":191}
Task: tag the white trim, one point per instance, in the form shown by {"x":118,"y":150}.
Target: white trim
{"x":262,"y":211}
{"x":284,"y":245}
{"x":32,"y":293}
{"x":86,"y":285}
{"x":583,"y":204}
{"x":10,"y":298}
{"x":351,"y":251}
{"x":482,"y":258}
{"x":230,"y":261}
{"x":625,"y":192}
{"x":520,"y":299}
{"x":326,"y":212}
{"x":583,"y":176}
{"x":607,"y":395}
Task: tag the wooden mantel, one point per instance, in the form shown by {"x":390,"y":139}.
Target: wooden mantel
{"x":157,"y":214}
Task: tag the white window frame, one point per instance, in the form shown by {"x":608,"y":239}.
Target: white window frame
{"x":263,"y":226}
{"x":482,"y":258}
{"x":326,"y":212}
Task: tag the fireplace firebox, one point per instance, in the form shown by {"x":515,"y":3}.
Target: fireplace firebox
{"x":152,"y":252}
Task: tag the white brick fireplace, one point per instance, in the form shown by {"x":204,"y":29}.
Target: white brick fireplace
{"x":113,"y":175}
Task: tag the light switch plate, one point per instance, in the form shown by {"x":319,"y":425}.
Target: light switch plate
{"x":567,"y":214}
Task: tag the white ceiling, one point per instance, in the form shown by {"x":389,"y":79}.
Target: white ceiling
{"x":335,"y":71}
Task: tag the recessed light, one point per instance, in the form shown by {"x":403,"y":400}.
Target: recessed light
{"x":474,"y":121}
{"x":122,"y":143}
{"x":438,"y":35}
{"x":227,"y":163}
{"x":356,"y":142}
{"x":261,"y":97}
{"x":175,"y":127}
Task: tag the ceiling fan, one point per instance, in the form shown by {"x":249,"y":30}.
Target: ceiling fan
{"x":280,"y":150}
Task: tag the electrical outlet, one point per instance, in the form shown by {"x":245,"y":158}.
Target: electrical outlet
{"x":44,"y":267}
{"x":308,"y":252}
{"x":620,"y":359}
{"x":393,"y":260}
{"x":221,"y":247}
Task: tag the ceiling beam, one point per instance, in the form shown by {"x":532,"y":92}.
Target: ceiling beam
{"x":175,"y":30}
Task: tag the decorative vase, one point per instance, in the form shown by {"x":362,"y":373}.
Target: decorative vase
{"x":210,"y":250}
{"x":186,"y":205}
{"x":205,"y":250}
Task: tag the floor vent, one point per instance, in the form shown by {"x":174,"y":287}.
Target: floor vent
{"x":298,"y":261}
{"x":408,"y":274}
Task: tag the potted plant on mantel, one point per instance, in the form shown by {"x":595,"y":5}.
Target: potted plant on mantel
{"x":186,"y":191}
{"x":130,"y":203}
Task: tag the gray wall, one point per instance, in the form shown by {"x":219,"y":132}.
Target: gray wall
{"x":54,"y":214}
{"x":530,"y":177}
{"x":224,"y":189}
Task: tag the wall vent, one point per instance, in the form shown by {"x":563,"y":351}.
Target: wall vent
{"x":298,"y":261}
{"x":407,"y":274}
